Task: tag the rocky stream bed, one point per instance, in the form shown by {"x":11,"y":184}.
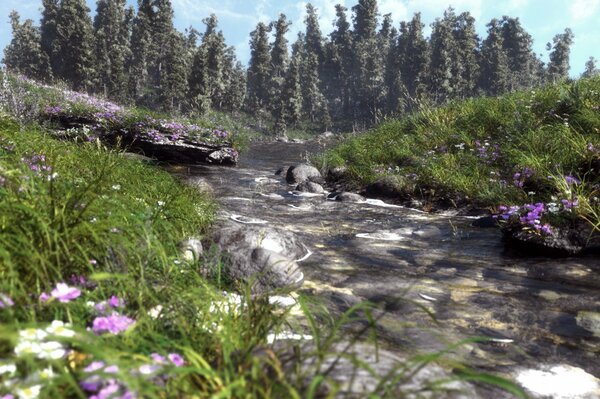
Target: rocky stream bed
{"x":437,"y":280}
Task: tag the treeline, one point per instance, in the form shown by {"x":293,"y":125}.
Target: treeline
{"x":365,"y":69}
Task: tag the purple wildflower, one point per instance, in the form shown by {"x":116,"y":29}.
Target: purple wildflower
{"x":64,"y":293}
{"x":572,"y":180}
{"x":5,"y":301}
{"x":113,"y":324}
{"x":176,"y":359}
{"x":115,"y":302}
{"x":44,"y":297}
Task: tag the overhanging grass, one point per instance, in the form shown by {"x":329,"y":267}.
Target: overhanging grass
{"x":472,"y":149}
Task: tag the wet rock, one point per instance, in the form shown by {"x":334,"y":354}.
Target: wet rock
{"x":342,"y":364}
{"x":282,"y":171}
{"x":560,"y":381}
{"x":300,"y":173}
{"x":180,"y":151}
{"x":336,"y":173}
{"x":485,"y":222}
{"x":310,"y":187}
{"x":274,"y":270}
{"x":191,"y":249}
{"x":349,"y":197}
{"x":589,"y":321}
{"x":562,"y":243}
{"x":265,"y":256}
{"x":387,"y":187}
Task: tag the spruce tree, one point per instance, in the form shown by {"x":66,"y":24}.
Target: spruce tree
{"x":75,"y":45}
{"x":291,"y":109}
{"x":368,"y":74}
{"x":50,"y":9}
{"x":141,"y":38}
{"x":234,"y":76}
{"x":495,"y":71}
{"x":173,"y":88}
{"x":259,"y":68}
{"x":213,"y":49}
{"x":279,"y":62}
{"x":314,"y":102}
{"x":442,"y":67}
{"x":517,"y":44}
{"x":112,"y":35}
{"x":465,"y":56}
{"x":591,"y":68}
{"x":341,"y":63}
{"x":558,"y":67}
{"x":24,"y":54}
{"x":162,"y":34}
{"x":414,"y":54}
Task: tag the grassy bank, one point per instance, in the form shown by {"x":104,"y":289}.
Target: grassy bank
{"x":536,"y":147}
{"x":96,"y":298}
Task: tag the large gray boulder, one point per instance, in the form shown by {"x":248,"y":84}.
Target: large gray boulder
{"x":261,"y":255}
{"x":300,"y":173}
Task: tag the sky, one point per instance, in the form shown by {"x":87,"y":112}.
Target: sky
{"x":237,"y":18}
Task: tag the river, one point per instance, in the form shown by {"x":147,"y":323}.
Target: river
{"x":437,"y":279}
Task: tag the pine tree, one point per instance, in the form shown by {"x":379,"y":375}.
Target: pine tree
{"x":173,"y":87}
{"x":414,"y":54}
{"x":340,"y":64}
{"x":368,"y":75}
{"x":313,"y":36}
{"x":112,"y":35}
{"x":386,"y":38}
{"x":442,"y":67}
{"x":314,"y":102}
{"x":234,"y":76}
{"x":465,"y":69}
{"x":258,"y":70}
{"x":48,"y":33}
{"x":24,"y":54}
{"x":291,"y":110}
{"x":162,"y":32}
{"x":141,"y":38}
{"x":279,"y":62}
{"x":213,"y":49}
{"x":591,"y":68}
{"x":558,"y":67}
{"x":494,"y":78}
{"x":75,"y":45}
{"x":517,"y":44}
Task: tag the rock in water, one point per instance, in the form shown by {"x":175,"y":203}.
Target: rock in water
{"x":265,"y":256}
{"x":300,"y":173}
{"x":350,"y":197}
{"x":310,"y":187}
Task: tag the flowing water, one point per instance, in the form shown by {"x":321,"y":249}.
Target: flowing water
{"x":541,"y":311}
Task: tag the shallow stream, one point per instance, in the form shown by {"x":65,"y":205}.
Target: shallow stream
{"x":541,"y":311}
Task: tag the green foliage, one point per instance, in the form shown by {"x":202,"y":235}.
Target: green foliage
{"x":472,"y":150}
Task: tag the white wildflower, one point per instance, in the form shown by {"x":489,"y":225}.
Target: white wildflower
{"x":8,"y":368}
{"x":31,"y":392}
{"x":60,"y":329}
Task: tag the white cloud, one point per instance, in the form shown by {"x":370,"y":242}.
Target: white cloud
{"x":397,"y":8}
{"x":437,"y":7}
{"x":583,"y":9}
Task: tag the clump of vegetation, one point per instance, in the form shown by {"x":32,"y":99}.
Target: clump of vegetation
{"x":540,"y":149}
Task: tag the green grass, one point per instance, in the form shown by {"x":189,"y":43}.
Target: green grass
{"x":468,"y":152}
{"x":109,"y":225}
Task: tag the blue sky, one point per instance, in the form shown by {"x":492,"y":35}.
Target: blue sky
{"x":542,"y":19}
